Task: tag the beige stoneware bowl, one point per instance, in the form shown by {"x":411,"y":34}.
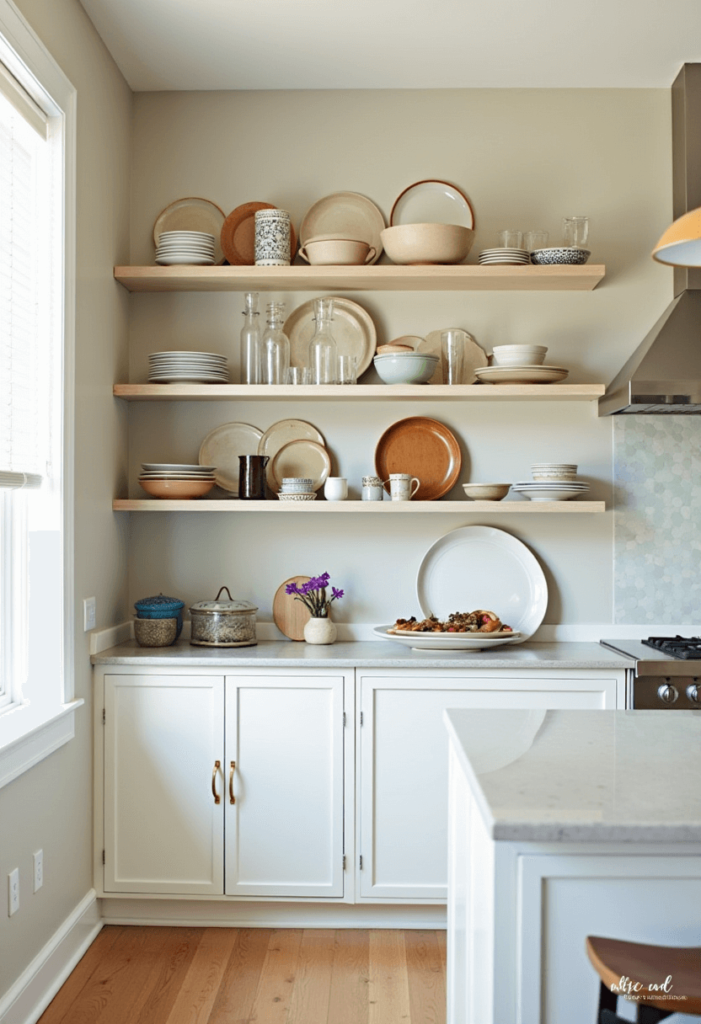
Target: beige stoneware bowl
{"x":486,"y":492}
{"x":427,"y":243}
{"x":519,"y":355}
{"x":181,"y":489}
{"x":327,"y":251}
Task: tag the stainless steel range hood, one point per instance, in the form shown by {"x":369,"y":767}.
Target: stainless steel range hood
{"x":664,"y":373}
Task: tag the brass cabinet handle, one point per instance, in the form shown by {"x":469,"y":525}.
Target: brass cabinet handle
{"x":217,"y":766}
{"x":232,"y":798}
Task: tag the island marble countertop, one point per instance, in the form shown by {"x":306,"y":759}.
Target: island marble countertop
{"x":583,"y":776}
{"x":364,"y":654}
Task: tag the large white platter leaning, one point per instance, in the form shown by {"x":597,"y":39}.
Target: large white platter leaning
{"x":482,"y":567}
{"x":448,"y":641}
{"x":221,"y":448}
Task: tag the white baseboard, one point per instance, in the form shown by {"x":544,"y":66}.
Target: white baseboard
{"x":270,"y":915}
{"x":27,"y":999}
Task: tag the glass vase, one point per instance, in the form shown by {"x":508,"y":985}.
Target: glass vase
{"x":323,"y":355}
{"x":250,"y":341}
{"x":275,"y":347}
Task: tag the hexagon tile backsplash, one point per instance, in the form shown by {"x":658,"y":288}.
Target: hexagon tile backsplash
{"x":657,"y":519}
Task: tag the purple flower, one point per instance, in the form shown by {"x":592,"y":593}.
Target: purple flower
{"x":336,"y":593}
{"x":292,"y":588}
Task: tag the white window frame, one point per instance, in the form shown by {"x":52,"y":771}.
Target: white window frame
{"x":29,"y":732}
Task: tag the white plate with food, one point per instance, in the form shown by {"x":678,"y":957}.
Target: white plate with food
{"x":483,"y":567}
{"x":352,"y":328}
{"x":447,"y":641}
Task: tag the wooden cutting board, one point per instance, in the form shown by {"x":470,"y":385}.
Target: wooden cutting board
{"x":290,"y":615}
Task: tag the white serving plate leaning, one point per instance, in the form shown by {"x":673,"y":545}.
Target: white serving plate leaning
{"x":522,"y":374}
{"x":448,"y":641}
{"x":483,"y":567}
{"x":432,"y":202}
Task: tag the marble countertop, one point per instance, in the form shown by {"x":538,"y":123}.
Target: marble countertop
{"x":583,"y":776}
{"x":365,"y":654}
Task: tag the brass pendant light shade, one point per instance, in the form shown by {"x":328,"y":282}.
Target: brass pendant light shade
{"x":680,"y":245}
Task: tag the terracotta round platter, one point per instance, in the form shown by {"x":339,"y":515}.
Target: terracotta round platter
{"x":290,"y":615}
{"x":238,"y":231}
{"x":426,"y":449}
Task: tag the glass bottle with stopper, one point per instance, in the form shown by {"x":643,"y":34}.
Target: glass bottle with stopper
{"x":275,"y":347}
{"x":323,"y":355}
{"x":251,"y":342}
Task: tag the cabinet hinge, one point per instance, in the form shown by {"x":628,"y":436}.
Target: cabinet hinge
{"x":361,"y":717}
{"x":344,"y":863}
{"x":104,"y":716}
{"x":361,"y":862}
{"x":103,"y":856}
{"x":344,"y":718}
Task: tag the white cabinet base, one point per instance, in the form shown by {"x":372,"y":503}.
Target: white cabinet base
{"x":519,"y":913}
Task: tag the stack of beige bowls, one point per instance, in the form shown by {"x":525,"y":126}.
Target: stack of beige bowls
{"x":552,"y":481}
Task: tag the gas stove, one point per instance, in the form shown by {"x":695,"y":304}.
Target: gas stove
{"x":667,"y":671}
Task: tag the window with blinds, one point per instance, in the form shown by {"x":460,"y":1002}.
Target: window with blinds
{"x":30,"y":361}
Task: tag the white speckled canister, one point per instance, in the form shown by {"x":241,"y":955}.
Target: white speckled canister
{"x":272,"y":238}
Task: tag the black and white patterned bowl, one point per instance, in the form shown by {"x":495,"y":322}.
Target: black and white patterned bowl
{"x":548,"y":257}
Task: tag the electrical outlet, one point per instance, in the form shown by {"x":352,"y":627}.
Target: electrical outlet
{"x":38,"y":870}
{"x":13,"y":892}
{"x":89,"y":614}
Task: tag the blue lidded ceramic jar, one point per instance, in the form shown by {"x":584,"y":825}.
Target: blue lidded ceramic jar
{"x":161,"y":607}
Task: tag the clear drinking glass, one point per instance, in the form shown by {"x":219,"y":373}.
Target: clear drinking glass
{"x":511,"y":239}
{"x":347,"y":370}
{"x":250,"y":341}
{"x":323,"y":356}
{"x":453,"y":348}
{"x":536,"y":240}
{"x":575,"y":232}
{"x":275,"y":347}
{"x":298,"y":375}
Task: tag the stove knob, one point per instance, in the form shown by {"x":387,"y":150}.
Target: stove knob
{"x":667,"y":693}
{"x":693,"y":692}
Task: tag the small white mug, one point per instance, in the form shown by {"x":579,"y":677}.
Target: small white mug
{"x":336,"y":488}
{"x":402,"y":486}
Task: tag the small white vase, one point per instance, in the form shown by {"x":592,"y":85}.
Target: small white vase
{"x":320,"y":631}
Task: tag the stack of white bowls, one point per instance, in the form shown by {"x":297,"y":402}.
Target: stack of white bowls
{"x":177,"y":247}
{"x":297,"y":488}
{"x":508,"y":257}
{"x":552,"y":481}
{"x":187,"y":367}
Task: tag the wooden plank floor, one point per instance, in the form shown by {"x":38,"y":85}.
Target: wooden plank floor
{"x":148,"y":975}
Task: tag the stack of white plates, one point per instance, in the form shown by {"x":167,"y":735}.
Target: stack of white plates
{"x":183,"y":367}
{"x":175,"y":247}
{"x":175,"y":471}
{"x":550,"y":490}
{"x":510,"y":257}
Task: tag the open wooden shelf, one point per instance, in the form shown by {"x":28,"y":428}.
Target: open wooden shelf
{"x":371,"y":392}
{"x":383,"y":277}
{"x":572,"y":507}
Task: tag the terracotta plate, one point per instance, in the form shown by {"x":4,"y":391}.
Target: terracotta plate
{"x":289,"y":614}
{"x":238,"y":235}
{"x":191,"y":214}
{"x":426,"y":449}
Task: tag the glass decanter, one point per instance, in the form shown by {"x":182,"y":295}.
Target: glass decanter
{"x":251,"y":342}
{"x":323,"y":355}
{"x":275,"y":347}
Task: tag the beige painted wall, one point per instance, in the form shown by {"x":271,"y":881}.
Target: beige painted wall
{"x":525,"y":158}
{"x":50,"y":806}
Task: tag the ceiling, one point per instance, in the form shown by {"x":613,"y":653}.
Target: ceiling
{"x":398,"y":44}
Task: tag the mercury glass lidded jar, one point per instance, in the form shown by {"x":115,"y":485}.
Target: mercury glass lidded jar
{"x":275,"y":347}
{"x":323,"y":353}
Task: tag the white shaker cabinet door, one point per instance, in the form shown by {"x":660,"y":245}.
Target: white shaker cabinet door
{"x":403,"y":819}
{"x":164,"y":829}
{"x":284,"y":798}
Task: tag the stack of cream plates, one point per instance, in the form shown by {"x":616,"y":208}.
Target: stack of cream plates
{"x":184,"y":367}
{"x":175,"y":471}
{"x":175,"y":247}
{"x":550,"y":490}
{"x":509,"y":257}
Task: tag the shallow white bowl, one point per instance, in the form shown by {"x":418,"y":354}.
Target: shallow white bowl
{"x":519,"y":355}
{"x":486,"y":492}
{"x":406,"y":367}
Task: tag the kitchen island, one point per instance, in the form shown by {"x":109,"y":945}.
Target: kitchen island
{"x":561,"y":825}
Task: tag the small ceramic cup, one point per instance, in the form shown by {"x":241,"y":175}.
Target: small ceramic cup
{"x":336,"y":488}
{"x":272,"y":238}
{"x":372,"y":489}
{"x":402,"y":486}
